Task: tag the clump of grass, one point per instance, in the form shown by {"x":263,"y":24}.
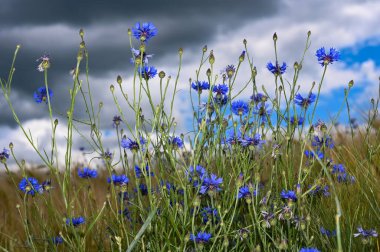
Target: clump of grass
{"x":253,"y":175}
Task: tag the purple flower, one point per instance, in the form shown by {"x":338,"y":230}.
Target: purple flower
{"x":327,"y":232}
{"x":304,"y":102}
{"x":366,"y":233}
{"x":57,"y":240}
{"x":233,"y":139}
{"x":289,"y":195}
{"x":147,"y":72}
{"x":41,"y":95}
{"x":310,"y":154}
{"x":325,"y":59}
{"x":211,"y":184}
{"x":116,"y":121}
{"x":208,"y":212}
{"x":229,"y":70}
{"x":145,"y":31}
{"x":195,"y":175}
{"x":138,"y":58}
{"x":132,"y":145}
{"x":201,"y":237}
{"x":295,"y":120}
{"x":323,"y":141}
{"x":118,"y":179}
{"x":87,"y":173}
{"x":75,"y":221}
{"x":176,"y":142}
{"x":263,"y":111}
{"x":4,"y":155}
{"x":259,"y":97}
{"x":239,"y":107}
{"x":309,"y":250}
{"x":220,"y":90}
{"x":252,"y":141}
{"x":200,"y":85}
{"x":276,"y":69}
{"x":319,"y":190}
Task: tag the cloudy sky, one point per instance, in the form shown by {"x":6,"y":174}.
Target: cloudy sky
{"x":51,"y":27}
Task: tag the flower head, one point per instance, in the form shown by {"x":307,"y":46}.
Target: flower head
{"x":319,"y":142}
{"x":87,"y":173}
{"x":220,"y":90}
{"x":196,"y":175}
{"x":176,"y":142}
{"x":132,"y":145}
{"x":57,"y":240}
{"x":201,"y":237}
{"x":296,"y":120}
{"x":229,"y":70}
{"x":309,"y":250}
{"x":42,"y":95}
{"x":4,"y":155}
{"x":75,"y":221}
{"x":118,"y":179}
{"x":30,"y":186}
{"x":139,"y":57}
{"x":309,"y":154}
{"x":208,"y":212}
{"x":327,"y":232}
{"x":200,"y":86}
{"x":116,"y":120}
{"x":44,"y":63}
{"x":366,"y":233}
{"x":145,"y":31}
{"x":239,"y":107}
{"x":259,"y":97}
{"x":139,"y":173}
{"x":289,"y":195}
{"x":211,"y":184}
{"x":304,"y":102}
{"x":147,"y":72}
{"x":263,"y":111}
{"x":325,"y":59}
{"x":252,"y":141}
{"x":276,"y":69}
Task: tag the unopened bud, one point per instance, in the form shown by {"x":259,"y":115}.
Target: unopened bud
{"x":204,"y":49}
{"x":208,"y":72}
{"x":56,"y":122}
{"x":161,"y":75}
{"x":274,"y":36}
{"x":211,"y":58}
{"x":82,"y":45}
{"x":129,"y":31}
{"x":245,"y":42}
{"x":351,"y":84}
{"x":180,"y":51}
{"x":112,"y":88}
{"x":119,"y":79}
{"x":308,"y":33}
{"x":142,"y":48}
{"x":10,"y":145}
{"x":81,"y":33}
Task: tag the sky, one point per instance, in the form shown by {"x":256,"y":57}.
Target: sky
{"x":52,"y":27}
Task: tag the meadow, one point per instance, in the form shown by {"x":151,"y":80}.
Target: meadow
{"x":256,"y":173}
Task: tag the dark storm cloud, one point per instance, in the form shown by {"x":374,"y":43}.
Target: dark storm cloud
{"x":52,"y":27}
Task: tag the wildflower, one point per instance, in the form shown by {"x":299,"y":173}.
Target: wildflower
{"x":239,"y":107}
{"x":139,"y":57}
{"x":276,"y":69}
{"x":211,"y":184}
{"x":200,"y":85}
{"x":304,"y":102}
{"x":201,"y":237}
{"x":295,"y":120}
{"x":46,"y":185}
{"x":107,"y":155}
{"x":263,"y":111}
{"x":145,"y":31}
{"x":118,"y":179}
{"x":319,"y":190}
{"x":139,"y":172}
{"x":176,"y":142}
{"x":208,"y":107}
{"x":252,"y":141}
{"x":268,"y":218}
{"x":221,"y":100}
{"x":259,"y":97}
{"x":116,"y":121}
{"x":229,"y":70}
{"x":75,"y":221}
{"x":310,"y":154}
{"x":323,"y":141}
{"x":57,"y":240}
{"x":147,"y":72}
{"x":325,"y":59}
{"x":286,"y":213}
{"x":289,"y":195}
{"x":220,"y":90}
{"x":30,"y":186}
{"x":143,"y":189}
{"x":208,"y":212}
{"x":199,"y":173}
{"x":131,"y":144}
{"x":234,"y":139}
{"x":243,"y":233}
{"x":44,"y":61}
{"x":4,"y":155}
{"x":299,"y":222}
{"x":127,"y":214}
{"x":87,"y":173}
{"x":327,"y":232}
{"x":244,"y":192}
{"x":309,"y":250}
{"x":320,"y":126}
{"x":366,"y":233}
{"x":41,"y":95}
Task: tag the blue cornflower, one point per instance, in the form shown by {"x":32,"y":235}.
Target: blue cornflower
{"x":239,"y":107}
{"x":245,"y":193}
{"x":276,"y":69}
{"x":147,"y":72}
{"x":323,"y":141}
{"x":310,"y":154}
{"x":259,"y":97}
{"x":211,"y":184}
{"x":4,"y":155}
{"x":325,"y":59}
{"x":143,"y":189}
{"x":116,"y":120}
{"x":201,"y":237}
{"x":87,"y":173}
{"x":138,"y":58}
{"x":263,"y":111}
{"x":304,"y":102}
{"x":252,"y":141}
{"x":309,"y":250}
{"x":289,"y":195}
{"x":46,"y":185}
{"x":295,"y":120}
{"x":107,"y":155}
{"x":41,"y":95}
{"x":176,"y":142}
{"x":139,"y":173}
{"x":75,"y":221}
{"x":220,"y":90}
{"x":319,"y":190}
{"x":132,"y":145}
{"x":229,"y":70}
{"x":208,"y":212}
{"x":145,"y":31}
{"x":118,"y":179}
{"x":199,"y":173}
{"x":327,"y":232}
{"x":338,"y":168}
{"x":30,"y":186}
{"x":200,"y":85}
{"x":57,"y":240}
{"x":233,"y":139}
{"x":221,"y":100}
{"x":366,"y":233}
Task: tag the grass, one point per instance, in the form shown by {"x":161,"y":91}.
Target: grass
{"x":267,"y":194}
